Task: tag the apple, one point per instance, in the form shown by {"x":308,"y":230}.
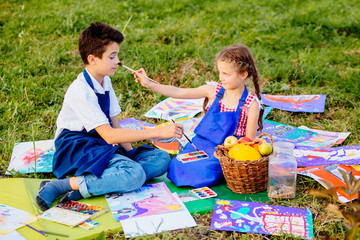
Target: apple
{"x":257,"y":143}
{"x":230,"y":141}
{"x":265,"y":148}
{"x":244,"y":140}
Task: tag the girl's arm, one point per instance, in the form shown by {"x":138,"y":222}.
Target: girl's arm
{"x":171,"y":91}
{"x":122,"y":136}
{"x":252,"y":121}
{"x":116,"y":124}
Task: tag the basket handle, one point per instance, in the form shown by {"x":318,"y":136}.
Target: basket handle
{"x":267,"y":135}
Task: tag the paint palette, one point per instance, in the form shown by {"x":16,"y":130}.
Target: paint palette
{"x":192,"y":156}
{"x":204,"y":193}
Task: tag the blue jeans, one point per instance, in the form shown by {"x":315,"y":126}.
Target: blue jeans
{"x":124,"y":174}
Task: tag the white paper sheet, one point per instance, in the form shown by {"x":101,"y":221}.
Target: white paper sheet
{"x":135,"y":227}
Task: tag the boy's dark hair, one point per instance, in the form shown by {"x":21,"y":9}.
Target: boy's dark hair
{"x":95,"y":38}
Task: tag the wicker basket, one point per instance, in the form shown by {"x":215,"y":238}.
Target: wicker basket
{"x":244,"y":176}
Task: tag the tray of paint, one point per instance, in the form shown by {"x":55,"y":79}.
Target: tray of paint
{"x":192,"y":156}
{"x":72,"y":213}
{"x":204,"y":193}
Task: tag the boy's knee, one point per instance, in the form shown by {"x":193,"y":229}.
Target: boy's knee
{"x":133,"y":177}
{"x":163,"y":157}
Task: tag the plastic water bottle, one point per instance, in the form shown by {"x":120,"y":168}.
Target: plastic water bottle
{"x":282,"y":171}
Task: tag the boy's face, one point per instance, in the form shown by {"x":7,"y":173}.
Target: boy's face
{"x":106,"y":66}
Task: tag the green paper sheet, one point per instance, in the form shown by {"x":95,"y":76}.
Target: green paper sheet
{"x":21,"y":193}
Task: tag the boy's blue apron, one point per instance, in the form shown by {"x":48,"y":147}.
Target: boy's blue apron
{"x":211,"y":131}
{"x":86,"y":152}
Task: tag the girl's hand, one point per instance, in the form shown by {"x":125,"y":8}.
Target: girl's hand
{"x":141,"y":76}
{"x":171,"y":130}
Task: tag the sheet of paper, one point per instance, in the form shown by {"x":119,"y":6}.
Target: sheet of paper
{"x":172,"y":108}
{"x":134,"y":227}
{"x":332,"y":175}
{"x":24,"y":155}
{"x":310,"y":156}
{"x":13,"y":218}
{"x":150,"y":199}
{"x":296,"y":103}
{"x":240,"y":216}
{"x":323,"y":138}
{"x":14,"y":235}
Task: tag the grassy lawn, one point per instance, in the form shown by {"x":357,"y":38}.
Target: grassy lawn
{"x":300,"y":47}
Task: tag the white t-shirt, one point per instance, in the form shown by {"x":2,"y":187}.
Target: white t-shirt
{"x":81,"y":110}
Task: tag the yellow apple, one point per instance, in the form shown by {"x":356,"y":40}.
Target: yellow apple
{"x":265,"y":148}
{"x":230,"y":141}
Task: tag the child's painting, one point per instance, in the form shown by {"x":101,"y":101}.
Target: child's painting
{"x":267,"y":110}
{"x":134,"y":124}
{"x":252,"y":217}
{"x":26,"y":158}
{"x":284,"y":132}
{"x":172,"y":108}
{"x":309,"y":156}
{"x":296,"y":103}
{"x":189,"y":127}
{"x":323,"y":138}
{"x":151,"y":199}
{"x":13,"y":218}
{"x":332,"y":175}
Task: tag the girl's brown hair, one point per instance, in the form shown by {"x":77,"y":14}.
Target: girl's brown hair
{"x":240,"y":55}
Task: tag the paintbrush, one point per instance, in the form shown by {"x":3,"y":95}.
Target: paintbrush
{"x":132,"y":70}
{"x":188,"y":138}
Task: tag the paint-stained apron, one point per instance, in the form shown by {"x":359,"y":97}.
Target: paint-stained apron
{"x":211,"y":131}
{"x":79,"y":152}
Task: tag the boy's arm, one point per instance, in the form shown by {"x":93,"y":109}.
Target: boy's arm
{"x":252,"y":121}
{"x":116,"y":124}
{"x":121,"y":135}
{"x":171,"y":91}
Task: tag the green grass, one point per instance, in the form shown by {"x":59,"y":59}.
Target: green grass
{"x":300,"y":47}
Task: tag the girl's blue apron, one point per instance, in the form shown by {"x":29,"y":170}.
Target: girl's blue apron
{"x":211,"y":131}
{"x":86,"y":152}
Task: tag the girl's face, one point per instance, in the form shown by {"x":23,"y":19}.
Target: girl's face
{"x":229,"y":77}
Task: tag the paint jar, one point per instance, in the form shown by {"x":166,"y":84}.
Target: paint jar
{"x":282,"y":171}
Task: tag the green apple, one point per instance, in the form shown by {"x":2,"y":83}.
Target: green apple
{"x":265,"y":148}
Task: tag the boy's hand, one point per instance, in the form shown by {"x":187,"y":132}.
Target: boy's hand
{"x":141,"y":76}
{"x":171,"y":130}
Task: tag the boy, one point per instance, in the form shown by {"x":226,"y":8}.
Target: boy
{"x":90,"y":145}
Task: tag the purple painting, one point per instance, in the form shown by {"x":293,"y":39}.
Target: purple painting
{"x":252,"y":217}
{"x":296,"y":103}
{"x":310,"y":156}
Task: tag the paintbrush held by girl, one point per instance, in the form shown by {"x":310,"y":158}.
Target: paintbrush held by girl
{"x":230,"y":110}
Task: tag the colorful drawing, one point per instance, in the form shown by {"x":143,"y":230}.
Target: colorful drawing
{"x":151,"y":199}
{"x":323,"y":138}
{"x":134,"y":124}
{"x":172,"y":108}
{"x":26,"y":158}
{"x":267,"y":110}
{"x":284,"y":132}
{"x":332,"y":175}
{"x":239,"y":216}
{"x":13,"y":218}
{"x":309,"y":156}
{"x":296,"y":103}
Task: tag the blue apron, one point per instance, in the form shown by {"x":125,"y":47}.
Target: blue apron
{"x":211,"y":131}
{"x":79,"y":152}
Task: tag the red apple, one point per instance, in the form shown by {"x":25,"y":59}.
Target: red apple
{"x":244,"y":140}
{"x":257,"y":143}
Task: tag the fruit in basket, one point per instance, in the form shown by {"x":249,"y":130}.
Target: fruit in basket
{"x":230,"y":141}
{"x":244,"y":152}
{"x":244,"y":140}
{"x":265,"y":148}
{"x":257,"y":142}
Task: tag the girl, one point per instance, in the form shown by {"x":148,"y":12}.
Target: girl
{"x":231,"y":110}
